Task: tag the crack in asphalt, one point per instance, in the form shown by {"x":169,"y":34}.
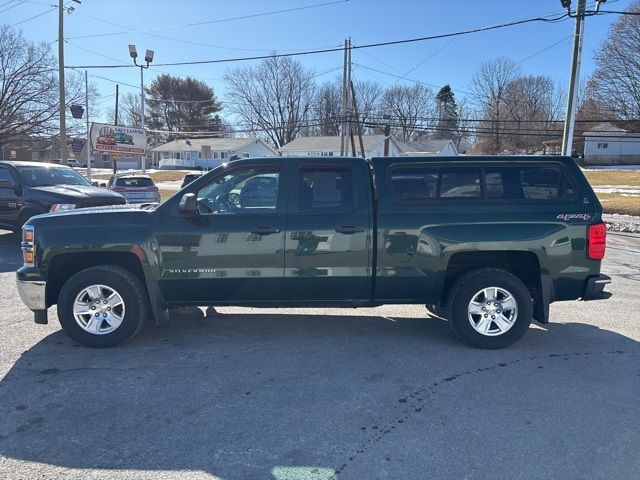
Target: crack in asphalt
{"x":413,"y":403}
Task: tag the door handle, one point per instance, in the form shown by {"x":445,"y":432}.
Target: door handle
{"x":348,"y":229}
{"x":265,"y":230}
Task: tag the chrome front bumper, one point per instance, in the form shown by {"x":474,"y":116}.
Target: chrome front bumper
{"x":32,"y":294}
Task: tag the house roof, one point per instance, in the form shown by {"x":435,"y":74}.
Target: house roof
{"x":423,"y":146}
{"x":196,"y":144}
{"x":328,"y":144}
{"x":604,"y":129}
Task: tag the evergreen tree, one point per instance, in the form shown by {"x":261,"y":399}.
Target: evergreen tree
{"x":447,"y":126}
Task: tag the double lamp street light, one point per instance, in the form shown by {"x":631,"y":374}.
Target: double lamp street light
{"x":148,"y":58}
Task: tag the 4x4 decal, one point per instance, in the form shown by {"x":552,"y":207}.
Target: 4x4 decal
{"x":574,"y":216}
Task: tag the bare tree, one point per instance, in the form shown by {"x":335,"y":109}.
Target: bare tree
{"x":274,"y":97}
{"x":412,"y":109}
{"x":529,"y":111}
{"x":28,"y":87}
{"x":128,"y":110}
{"x":615,"y":83}
{"x":29,"y":102}
{"x":368,"y":96}
{"x":326,"y":109}
{"x":488,"y":92}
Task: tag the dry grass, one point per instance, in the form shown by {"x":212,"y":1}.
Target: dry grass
{"x":166,"y":193}
{"x":161,"y":176}
{"x":617,"y":203}
{"x":613,"y":177}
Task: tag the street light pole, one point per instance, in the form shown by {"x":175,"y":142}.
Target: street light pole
{"x":148,"y":58}
{"x":144,"y":160}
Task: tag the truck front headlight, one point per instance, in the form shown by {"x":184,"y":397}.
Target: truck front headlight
{"x":62,"y":207}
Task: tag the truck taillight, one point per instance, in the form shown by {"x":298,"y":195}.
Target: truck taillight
{"x":596,"y":241}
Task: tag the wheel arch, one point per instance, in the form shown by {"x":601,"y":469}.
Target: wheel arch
{"x":523,"y":264}
{"x":64,"y":265}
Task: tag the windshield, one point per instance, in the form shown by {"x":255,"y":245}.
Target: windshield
{"x":44,"y":176}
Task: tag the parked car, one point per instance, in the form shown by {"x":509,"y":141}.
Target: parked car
{"x":76,"y":164}
{"x":136,"y":188}
{"x":487,"y":243}
{"x":32,"y":188}
{"x":190,"y":177}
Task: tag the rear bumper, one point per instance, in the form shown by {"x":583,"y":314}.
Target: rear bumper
{"x":32,"y":294}
{"x":594,"y":288}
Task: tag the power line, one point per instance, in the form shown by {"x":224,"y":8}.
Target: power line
{"x":207,"y":22}
{"x":12,"y":6}
{"x":544,"y":49}
{"x":357,"y":47}
{"x":31,"y":18}
{"x":408,"y":79}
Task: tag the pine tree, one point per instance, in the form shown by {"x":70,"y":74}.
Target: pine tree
{"x":447,"y":126}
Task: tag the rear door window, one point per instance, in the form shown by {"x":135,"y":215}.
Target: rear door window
{"x":415,"y":184}
{"x":527,"y":183}
{"x":325,"y":189}
{"x":5,"y":176}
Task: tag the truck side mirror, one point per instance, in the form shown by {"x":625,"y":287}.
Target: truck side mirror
{"x":188,"y":204}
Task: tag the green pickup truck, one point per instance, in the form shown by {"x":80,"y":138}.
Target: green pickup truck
{"x":486,"y":243}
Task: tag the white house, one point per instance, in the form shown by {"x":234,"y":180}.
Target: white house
{"x":420,"y":148}
{"x":207,"y":153}
{"x":606,"y":144}
{"x":373,"y":147}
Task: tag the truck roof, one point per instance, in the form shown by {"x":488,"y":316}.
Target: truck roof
{"x":478,"y":158}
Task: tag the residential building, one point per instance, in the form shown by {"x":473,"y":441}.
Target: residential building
{"x":373,"y":147}
{"x":606,"y":144}
{"x":207,"y":153}
{"x":419,"y":148}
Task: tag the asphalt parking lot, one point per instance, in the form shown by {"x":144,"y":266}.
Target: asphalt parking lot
{"x":326,"y":394}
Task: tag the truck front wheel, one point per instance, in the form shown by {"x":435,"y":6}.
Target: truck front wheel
{"x":489,"y":308}
{"x":102,"y":306}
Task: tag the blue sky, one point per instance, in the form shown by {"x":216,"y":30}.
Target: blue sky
{"x":366,"y":21}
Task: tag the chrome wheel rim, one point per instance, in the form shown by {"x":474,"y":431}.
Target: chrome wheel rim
{"x":492,"y":311}
{"x":98,"y":309}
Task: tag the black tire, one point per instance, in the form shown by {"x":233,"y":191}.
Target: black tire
{"x":133,"y":295}
{"x":465,"y":289}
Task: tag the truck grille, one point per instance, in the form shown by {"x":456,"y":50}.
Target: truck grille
{"x":100,"y":202}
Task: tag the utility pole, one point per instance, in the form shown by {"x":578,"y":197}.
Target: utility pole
{"x":358,"y":123}
{"x":63,"y":109}
{"x":572,"y":97}
{"x":387,"y":134}
{"x":86,"y":107}
{"x":345,"y":101}
{"x":115,"y":120}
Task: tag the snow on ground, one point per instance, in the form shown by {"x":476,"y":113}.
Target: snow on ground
{"x":612,"y":167}
{"x":617,"y":222}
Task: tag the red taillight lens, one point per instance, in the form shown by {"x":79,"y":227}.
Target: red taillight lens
{"x":596,"y":241}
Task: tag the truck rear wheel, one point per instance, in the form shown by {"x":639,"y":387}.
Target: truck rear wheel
{"x":489,"y":308}
{"x":102,"y":306}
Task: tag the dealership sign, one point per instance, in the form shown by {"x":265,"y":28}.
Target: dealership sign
{"x":117,"y":139}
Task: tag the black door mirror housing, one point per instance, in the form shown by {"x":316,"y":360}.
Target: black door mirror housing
{"x":188,"y":204}
{"x":6,"y":184}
